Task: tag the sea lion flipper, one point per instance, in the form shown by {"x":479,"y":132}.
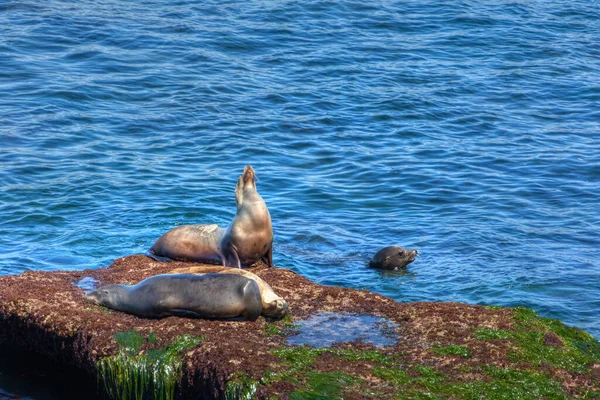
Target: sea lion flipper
{"x":155,"y":257}
{"x":268,"y":258}
{"x":185,"y":313}
{"x":231,"y":258}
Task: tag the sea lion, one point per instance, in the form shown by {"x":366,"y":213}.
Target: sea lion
{"x":200,"y":243}
{"x":393,"y":258}
{"x":273,"y":306}
{"x":247,"y":239}
{"x":212,"y":296}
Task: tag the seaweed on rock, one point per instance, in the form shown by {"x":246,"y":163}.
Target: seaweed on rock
{"x":133,"y":373}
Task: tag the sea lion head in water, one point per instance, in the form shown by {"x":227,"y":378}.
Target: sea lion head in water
{"x":393,"y":258}
{"x":249,"y":237}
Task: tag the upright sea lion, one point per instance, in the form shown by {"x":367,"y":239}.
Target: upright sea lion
{"x":246,"y":240}
{"x":273,"y":306}
{"x":393,"y":258}
{"x":214,"y":296}
{"x":249,"y":237}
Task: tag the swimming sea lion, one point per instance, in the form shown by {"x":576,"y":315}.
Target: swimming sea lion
{"x":246,"y":240}
{"x":273,"y":306}
{"x":213,"y":296}
{"x":393,"y":258}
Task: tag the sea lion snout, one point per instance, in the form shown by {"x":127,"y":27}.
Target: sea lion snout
{"x":276,"y":309}
{"x":412,"y":254}
{"x":282,"y":307}
{"x":248,"y":177}
{"x":249,"y":172}
{"x":91,"y":298}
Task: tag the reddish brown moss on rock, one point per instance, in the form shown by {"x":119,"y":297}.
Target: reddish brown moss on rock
{"x":451,"y":350}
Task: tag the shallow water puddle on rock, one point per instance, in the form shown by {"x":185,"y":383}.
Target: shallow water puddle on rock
{"x":326,"y":328}
{"x":87,"y":283}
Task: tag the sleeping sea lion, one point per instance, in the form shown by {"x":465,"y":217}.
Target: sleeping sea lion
{"x":273,"y":306}
{"x":212,"y":296}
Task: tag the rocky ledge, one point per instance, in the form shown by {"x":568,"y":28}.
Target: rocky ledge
{"x":362,"y":345}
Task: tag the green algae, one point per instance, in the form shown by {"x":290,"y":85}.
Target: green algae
{"x":366,"y":355}
{"x":302,"y":357}
{"x":320,"y":385}
{"x":240,"y":387}
{"x":531,"y":349}
{"x":574,"y":351}
{"x":570,"y":335}
{"x":519,"y":384}
{"x":591,"y":349}
{"x":567,"y":348}
{"x":428,"y":372}
{"x":592,"y":395}
{"x":272,"y":330}
{"x":133,"y":373}
{"x":299,"y":360}
{"x":452,"y":350}
{"x":130,"y":341}
{"x":494,"y":308}
{"x":152,"y":339}
{"x":398,"y":377}
{"x":284,"y":327}
{"x":324,"y":386}
{"x":531,"y":339}
{"x":488,"y":333}
{"x":424,"y":382}
{"x":536,"y":344}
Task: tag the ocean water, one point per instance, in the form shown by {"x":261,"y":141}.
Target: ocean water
{"x":469,"y":130}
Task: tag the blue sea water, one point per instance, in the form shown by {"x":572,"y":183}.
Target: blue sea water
{"x":469,"y":130}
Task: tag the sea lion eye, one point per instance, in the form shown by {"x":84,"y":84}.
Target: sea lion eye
{"x":401,"y":253}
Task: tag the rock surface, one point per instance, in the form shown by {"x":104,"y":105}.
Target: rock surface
{"x":444,"y":350}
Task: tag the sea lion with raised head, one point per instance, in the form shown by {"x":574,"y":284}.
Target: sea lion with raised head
{"x":393,"y":258}
{"x":273,"y":306}
{"x":211,"y":296}
{"x":248,"y":239}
